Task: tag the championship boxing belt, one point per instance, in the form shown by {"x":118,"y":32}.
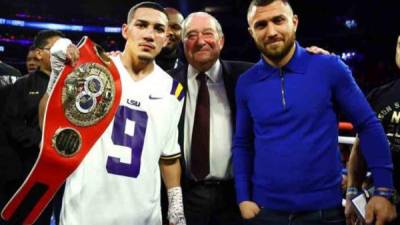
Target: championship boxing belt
{"x":80,"y":107}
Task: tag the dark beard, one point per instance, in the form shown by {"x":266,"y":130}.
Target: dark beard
{"x":276,"y":57}
{"x":168,"y":53}
{"x":167,"y":58}
{"x":145,"y":59}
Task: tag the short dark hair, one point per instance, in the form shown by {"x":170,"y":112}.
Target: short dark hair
{"x":151,"y":5}
{"x":264,"y":3}
{"x":42,"y":37}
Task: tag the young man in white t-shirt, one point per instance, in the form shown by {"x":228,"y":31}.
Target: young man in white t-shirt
{"x":118,"y":182}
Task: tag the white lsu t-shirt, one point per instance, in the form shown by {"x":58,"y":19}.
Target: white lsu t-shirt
{"x":118,"y":182}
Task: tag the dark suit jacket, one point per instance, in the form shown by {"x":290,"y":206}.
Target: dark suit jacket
{"x":231,"y":70}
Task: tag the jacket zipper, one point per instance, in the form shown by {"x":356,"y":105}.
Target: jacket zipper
{"x":283,"y":93}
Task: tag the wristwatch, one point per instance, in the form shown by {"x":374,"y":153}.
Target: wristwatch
{"x":352,"y":191}
{"x":389,"y":194}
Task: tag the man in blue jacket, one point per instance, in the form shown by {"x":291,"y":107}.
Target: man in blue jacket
{"x":286,"y":162}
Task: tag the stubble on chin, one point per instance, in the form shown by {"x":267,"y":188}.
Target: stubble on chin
{"x":145,"y":59}
{"x":277,"y":54}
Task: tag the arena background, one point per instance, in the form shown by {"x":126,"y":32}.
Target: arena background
{"x":363,"y":33}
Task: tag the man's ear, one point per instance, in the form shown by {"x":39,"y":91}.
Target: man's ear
{"x":38,"y":54}
{"x":295,"y":22}
{"x":124,"y":31}
{"x":221,"y":42}
{"x":250,"y":32}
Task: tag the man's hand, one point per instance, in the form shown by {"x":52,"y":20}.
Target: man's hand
{"x":62,"y":52}
{"x":380,"y":210}
{"x":317,"y":50}
{"x":350,"y":213}
{"x":249,"y":209}
{"x":72,"y":54}
{"x":175,"y":206}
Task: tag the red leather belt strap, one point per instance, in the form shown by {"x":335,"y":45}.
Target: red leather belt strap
{"x":66,"y":140}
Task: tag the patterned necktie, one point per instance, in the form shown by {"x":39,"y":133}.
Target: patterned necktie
{"x":200,"y":160}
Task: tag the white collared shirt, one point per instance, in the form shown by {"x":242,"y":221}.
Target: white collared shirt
{"x":220,"y":122}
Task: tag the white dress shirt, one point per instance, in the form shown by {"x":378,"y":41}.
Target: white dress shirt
{"x":220,"y":122}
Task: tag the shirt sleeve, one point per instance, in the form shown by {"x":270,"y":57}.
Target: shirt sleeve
{"x":242,"y":146}
{"x":373,"y":142}
{"x":172,"y":149}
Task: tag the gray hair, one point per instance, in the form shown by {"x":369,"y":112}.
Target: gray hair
{"x":213,"y":19}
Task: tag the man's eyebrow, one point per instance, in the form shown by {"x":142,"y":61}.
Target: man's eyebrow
{"x":192,"y":31}
{"x":148,"y":22}
{"x":175,"y":25}
{"x":278,"y":17}
{"x":260,"y":22}
{"x":208,"y":29}
{"x":160,"y":25}
{"x":142,"y":21}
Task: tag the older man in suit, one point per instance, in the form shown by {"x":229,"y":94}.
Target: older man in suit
{"x":207,"y":123}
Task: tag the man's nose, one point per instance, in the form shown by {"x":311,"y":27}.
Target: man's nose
{"x":271,"y":30}
{"x":149,"y":34}
{"x":200,"y":39}
{"x":169,"y":31}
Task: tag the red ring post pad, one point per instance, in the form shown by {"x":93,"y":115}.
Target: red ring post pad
{"x":52,"y":168}
{"x":346,"y":126}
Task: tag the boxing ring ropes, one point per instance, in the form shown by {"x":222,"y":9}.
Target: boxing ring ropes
{"x":345,"y":126}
